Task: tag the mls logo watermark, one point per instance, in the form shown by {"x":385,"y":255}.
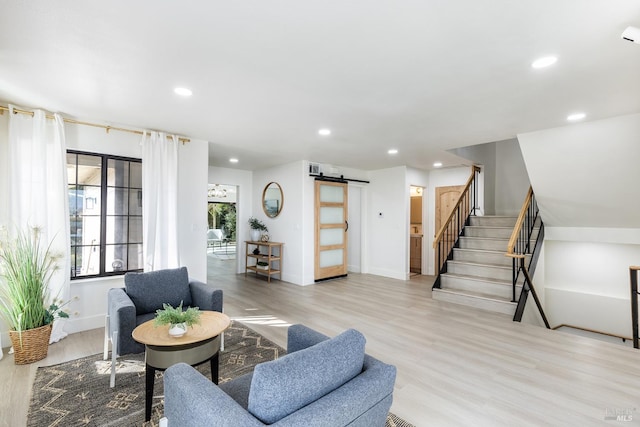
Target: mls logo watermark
{"x":616,"y":414}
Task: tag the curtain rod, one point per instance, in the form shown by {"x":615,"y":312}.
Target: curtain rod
{"x":78,"y":122}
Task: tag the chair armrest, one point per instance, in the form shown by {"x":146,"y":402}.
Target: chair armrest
{"x":300,"y":337}
{"x":192,"y":400}
{"x":122,"y":318}
{"x":205,"y":297}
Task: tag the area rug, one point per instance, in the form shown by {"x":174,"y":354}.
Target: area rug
{"x":77,"y":393}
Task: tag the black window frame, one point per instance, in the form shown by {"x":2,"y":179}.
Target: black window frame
{"x":104,"y":187}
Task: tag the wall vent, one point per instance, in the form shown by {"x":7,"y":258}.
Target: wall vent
{"x":314,"y":168}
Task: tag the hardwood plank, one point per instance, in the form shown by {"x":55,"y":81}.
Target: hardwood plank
{"x":456,"y":365}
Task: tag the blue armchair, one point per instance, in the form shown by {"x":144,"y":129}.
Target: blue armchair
{"x":142,"y":295}
{"x":320,"y":382}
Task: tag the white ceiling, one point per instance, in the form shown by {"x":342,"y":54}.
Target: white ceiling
{"x":421,"y":76}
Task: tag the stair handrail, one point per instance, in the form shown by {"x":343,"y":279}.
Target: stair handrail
{"x":520,"y":240}
{"x":519,"y":247}
{"x":520,"y":221}
{"x":633,"y":272}
{"x":465,"y":206}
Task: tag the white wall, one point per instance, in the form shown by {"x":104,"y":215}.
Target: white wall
{"x":387,"y":234}
{"x":192,"y":207}
{"x":587,"y":277}
{"x":243,"y":180}
{"x":292,"y":226}
{"x":511,"y":178}
{"x":504,"y":174}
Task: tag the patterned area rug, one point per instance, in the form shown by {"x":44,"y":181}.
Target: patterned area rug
{"x":77,"y":393}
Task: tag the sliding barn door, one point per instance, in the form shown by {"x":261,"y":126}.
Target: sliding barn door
{"x":331,"y":229}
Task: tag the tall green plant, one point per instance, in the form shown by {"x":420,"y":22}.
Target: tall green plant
{"x":26,"y":266}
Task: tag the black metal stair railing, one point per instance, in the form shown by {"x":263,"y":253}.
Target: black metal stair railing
{"x":520,"y":248}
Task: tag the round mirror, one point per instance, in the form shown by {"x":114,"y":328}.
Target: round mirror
{"x":272,"y":199}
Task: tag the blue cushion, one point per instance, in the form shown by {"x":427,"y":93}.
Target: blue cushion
{"x":283,"y":386}
{"x":149,"y":291}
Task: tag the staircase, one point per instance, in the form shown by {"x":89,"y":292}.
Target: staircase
{"x":480,"y":275}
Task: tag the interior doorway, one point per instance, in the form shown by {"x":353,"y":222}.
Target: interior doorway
{"x":416,"y":235}
{"x":221,"y":229}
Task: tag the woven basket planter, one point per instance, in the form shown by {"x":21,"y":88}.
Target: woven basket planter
{"x":35,"y":344}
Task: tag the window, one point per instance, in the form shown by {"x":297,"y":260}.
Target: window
{"x":105,"y":213}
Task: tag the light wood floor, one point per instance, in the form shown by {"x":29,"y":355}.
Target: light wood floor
{"x":456,"y":366}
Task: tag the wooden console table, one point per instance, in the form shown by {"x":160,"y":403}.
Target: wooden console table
{"x":270,"y":252}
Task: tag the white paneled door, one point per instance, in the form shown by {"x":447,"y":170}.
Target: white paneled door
{"x":331,"y":229}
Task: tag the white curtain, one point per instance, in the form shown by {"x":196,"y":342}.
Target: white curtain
{"x":160,"y":201}
{"x":38,"y":193}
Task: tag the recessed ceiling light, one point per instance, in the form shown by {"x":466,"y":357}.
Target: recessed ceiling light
{"x":324,"y":132}
{"x":544,"y":62}
{"x":393,"y":151}
{"x":437,"y":165}
{"x":576,"y":116}
{"x":182,"y":91}
{"x":233,"y":160}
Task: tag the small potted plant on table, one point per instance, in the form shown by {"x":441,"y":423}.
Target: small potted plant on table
{"x":257,"y":227}
{"x":177,"y":319}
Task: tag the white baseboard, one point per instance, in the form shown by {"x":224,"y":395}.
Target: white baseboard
{"x":392,"y":274}
{"x":84,"y":324}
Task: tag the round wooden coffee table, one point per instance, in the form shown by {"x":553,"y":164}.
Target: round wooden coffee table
{"x":199,"y":345}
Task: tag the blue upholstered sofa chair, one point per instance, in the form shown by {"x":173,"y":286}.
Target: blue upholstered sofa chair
{"x":320,"y":382}
{"x":142,"y":295}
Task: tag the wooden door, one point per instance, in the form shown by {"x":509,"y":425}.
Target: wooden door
{"x":446,"y":198}
{"x":331,"y":229}
{"x":416,"y":209}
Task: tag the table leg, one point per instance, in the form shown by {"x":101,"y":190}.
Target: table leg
{"x":214,"y":368}
{"x":150,"y":379}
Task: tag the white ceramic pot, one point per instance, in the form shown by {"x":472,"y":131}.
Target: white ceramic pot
{"x":255,"y":235}
{"x":178,"y":330}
